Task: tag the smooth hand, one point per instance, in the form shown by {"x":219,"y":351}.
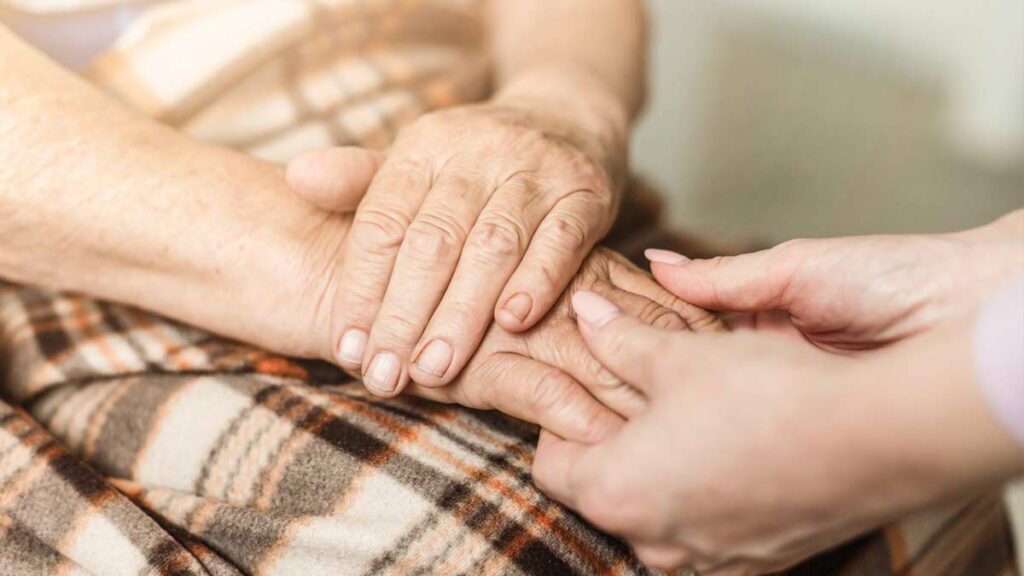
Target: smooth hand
{"x":477,"y":213}
{"x":852,"y":293}
{"x":757,"y":450}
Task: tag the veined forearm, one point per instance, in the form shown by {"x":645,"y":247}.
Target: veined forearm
{"x":603,"y":40}
{"x":97,"y":199}
{"x":78,"y":173}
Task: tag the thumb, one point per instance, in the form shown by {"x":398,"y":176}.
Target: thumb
{"x":334,"y":179}
{"x":746,"y":283}
{"x":620,"y":342}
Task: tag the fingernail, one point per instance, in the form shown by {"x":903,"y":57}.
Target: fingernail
{"x":352,"y":347}
{"x":520,"y":306}
{"x":435,"y":358}
{"x":383,"y":372}
{"x":594,"y":309}
{"x":665,"y":257}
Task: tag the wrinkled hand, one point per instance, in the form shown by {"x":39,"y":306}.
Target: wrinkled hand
{"x":547,"y":376}
{"x":756,"y":450}
{"x":477,"y":213}
{"x":543,"y":375}
{"x":852,"y":293}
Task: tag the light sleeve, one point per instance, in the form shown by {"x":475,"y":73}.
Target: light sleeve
{"x":999,"y":356}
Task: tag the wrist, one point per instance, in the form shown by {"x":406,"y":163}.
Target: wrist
{"x":581,"y":104}
{"x":917,"y":431}
{"x":273,"y":268}
{"x":571,"y":91}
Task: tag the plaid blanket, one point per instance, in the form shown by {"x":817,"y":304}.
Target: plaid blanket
{"x":130,"y":444}
{"x":134,"y":445}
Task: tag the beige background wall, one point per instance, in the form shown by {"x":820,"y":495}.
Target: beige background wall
{"x":775,"y":119}
{"x":772,"y":120}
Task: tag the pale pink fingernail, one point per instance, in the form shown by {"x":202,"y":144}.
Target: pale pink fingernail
{"x":435,"y":358}
{"x":352,"y":347}
{"x":383,"y":372}
{"x":594,"y":309}
{"x":665,"y":257}
{"x":519,"y":306}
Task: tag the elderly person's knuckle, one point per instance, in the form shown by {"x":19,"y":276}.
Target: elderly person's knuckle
{"x":523,"y":186}
{"x":656,"y":315}
{"x":380,"y":227}
{"x":704,"y":321}
{"x":499,"y":236}
{"x":569,"y":232}
{"x":549,"y":277}
{"x":552,"y":392}
{"x":592,"y":176}
{"x":536,"y":140}
{"x":432,"y":238}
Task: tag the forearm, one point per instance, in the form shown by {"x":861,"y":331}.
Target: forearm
{"x":587,"y":52}
{"x":97,"y":199}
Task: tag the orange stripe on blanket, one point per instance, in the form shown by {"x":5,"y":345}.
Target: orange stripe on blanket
{"x":541,"y":518}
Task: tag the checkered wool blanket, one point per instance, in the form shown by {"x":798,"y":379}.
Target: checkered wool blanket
{"x":130,"y":444}
{"x":134,"y":445}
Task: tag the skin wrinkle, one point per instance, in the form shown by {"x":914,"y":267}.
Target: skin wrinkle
{"x":502,"y":236}
{"x":567,"y":123}
{"x":211,"y":237}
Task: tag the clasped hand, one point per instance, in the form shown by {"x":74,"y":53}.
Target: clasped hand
{"x":844,"y":399}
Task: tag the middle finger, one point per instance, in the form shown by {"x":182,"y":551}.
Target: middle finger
{"x":496,"y":245}
{"x":423,"y":269}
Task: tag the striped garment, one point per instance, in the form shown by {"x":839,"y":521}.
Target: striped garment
{"x":130,"y":444}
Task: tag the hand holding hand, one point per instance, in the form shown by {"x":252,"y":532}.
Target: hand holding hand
{"x":756,"y":450}
{"x":852,"y":293}
{"x":547,"y":375}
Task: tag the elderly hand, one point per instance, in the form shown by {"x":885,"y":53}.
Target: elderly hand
{"x":479,"y":212}
{"x":756,"y":450}
{"x":852,"y":293}
{"x":547,"y":376}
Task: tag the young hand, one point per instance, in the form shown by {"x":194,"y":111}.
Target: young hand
{"x":756,"y":451}
{"x":852,"y":293}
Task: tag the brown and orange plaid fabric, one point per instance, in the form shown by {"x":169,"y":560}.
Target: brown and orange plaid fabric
{"x":142,"y":446}
{"x":130,"y":444}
